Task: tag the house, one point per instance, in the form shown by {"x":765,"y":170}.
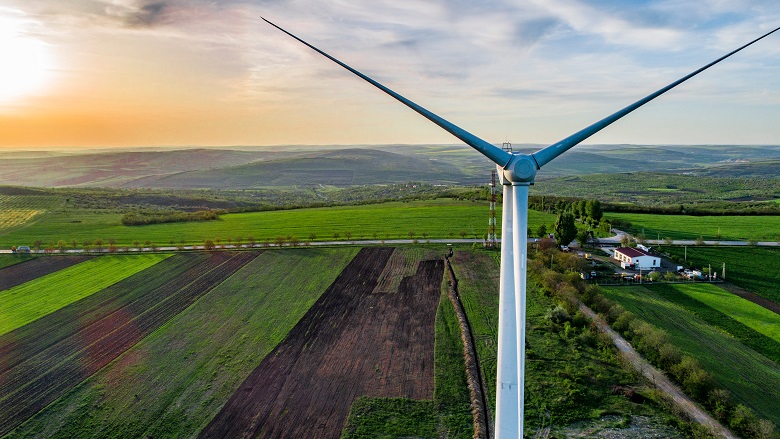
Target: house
{"x":636,"y":258}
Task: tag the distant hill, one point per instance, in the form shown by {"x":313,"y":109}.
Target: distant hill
{"x":337,"y":165}
{"x":348,"y":167}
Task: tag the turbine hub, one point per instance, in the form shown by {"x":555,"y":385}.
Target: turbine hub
{"x":520,"y":169}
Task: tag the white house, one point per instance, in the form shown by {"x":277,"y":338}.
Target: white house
{"x":637,"y":258}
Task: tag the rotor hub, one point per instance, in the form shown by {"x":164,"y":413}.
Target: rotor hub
{"x":520,"y":169}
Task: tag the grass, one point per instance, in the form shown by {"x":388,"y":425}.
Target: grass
{"x":173,"y":382}
{"x":390,"y":418}
{"x":450,"y":392}
{"x":753,"y":268}
{"x":8,"y":260}
{"x":25,"y":303}
{"x":440,"y":218}
{"x":732,"y":228}
{"x":676,"y":293}
{"x":751,"y":378}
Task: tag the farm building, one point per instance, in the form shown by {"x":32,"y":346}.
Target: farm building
{"x":635,"y":257}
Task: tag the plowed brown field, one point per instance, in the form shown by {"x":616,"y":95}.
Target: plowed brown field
{"x":354,"y":341}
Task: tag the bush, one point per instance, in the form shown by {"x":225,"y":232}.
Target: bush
{"x":557,"y":315}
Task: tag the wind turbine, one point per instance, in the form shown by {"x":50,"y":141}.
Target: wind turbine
{"x":517,"y":172}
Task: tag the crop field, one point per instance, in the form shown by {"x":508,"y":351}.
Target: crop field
{"x":27,"y":302}
{"x":353,"y":342}
{"x":732,"y":228}
{"x":21,"y":209}
{"x":756,"y":269}
{"x":744,"y":311}
{"x":8,"y":260}
{"x":441,"y":218}
{"x":726,"y":319}
{"x":41,"y":369}
{"x":751,"y":378}
{"x":18,"y":273}
{"x":160,"y":352}
{"x":177,"y":378}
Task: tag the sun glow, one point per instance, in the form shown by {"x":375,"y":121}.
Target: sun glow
{"x":24,"y":59}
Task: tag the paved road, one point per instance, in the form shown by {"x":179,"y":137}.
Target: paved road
{"x":612,"y":240}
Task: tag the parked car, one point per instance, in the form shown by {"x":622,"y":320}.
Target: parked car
{"x":23,"y":249}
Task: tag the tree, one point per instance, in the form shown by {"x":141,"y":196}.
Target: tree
{"x":593,"y":210}
{"x":463,"y":234}
{"x":61,"y":244}
{"x":137,"y":244}
{"x":99,"y":244}
{"x":208,"y":244}
{"x":582,"y":237}
{"x":74,"y":243}
{"x":251,"y":240}
{"x":565,"y":230}
{"x":312,"y":236}
{"x":541,"y":231}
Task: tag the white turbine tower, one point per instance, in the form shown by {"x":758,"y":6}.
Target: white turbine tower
{"x":516,"y":172}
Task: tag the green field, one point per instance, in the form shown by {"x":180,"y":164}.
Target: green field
{"x":751,"y":378}
{"x":753,"y":268}
{"x":441,"y":218}
{"x":24,"y":303}
{"x":173,"y":382}
{"x":732,"y":228}
{"x":8,"y":260}
{"x":744,"y":311}
{"x":763,"y":344}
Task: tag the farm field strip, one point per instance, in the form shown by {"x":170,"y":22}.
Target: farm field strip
{"x":756,"y":269}
{"x":428,"y":219}
{"x":8,"y":260}
{"x":352,"y":342}
{"x":33,"y":384}
{"x":15,"y":217}
{"x":111,"y":305}
{"x":24,"y":303}
{"x":732,"y":228}
{"x":744,"y":311}
{"x":33,"y":268}
{"x":176,"y":379}
{"x":762,"y":344}
{"x":752,"y":379}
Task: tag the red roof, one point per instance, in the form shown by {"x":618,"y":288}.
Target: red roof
{"x":632,"y":252}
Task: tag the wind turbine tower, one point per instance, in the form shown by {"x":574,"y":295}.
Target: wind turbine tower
{"x":516,"y":173}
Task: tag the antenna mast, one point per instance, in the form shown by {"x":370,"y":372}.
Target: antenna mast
{"x":491,"y":234}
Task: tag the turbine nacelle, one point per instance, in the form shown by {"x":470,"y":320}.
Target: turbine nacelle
{"x":521,"y":170}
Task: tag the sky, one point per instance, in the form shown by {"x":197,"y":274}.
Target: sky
{"x":127,"y":73}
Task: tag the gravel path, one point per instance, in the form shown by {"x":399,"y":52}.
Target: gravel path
{"x":660,"y":380}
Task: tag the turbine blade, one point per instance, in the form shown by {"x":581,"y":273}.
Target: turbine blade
{"x":545,"y":155}
{"x":492,"y":152}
